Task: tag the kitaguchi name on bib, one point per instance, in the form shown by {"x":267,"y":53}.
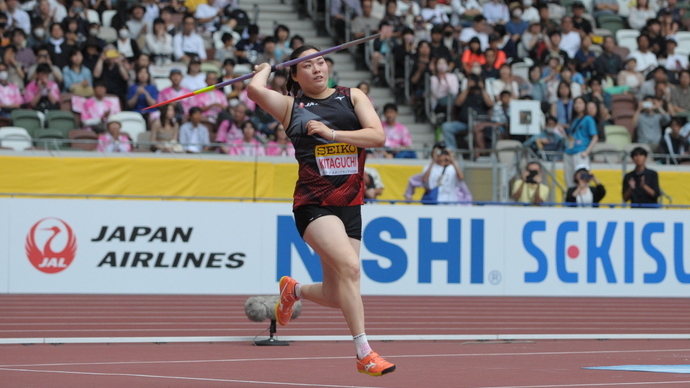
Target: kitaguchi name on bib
{"x":337,"y":159}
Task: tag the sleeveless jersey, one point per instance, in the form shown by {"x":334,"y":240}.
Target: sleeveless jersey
{"x":330,"y":172}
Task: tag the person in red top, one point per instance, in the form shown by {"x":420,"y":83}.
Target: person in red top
{"x":329,"y":127}
{"x":473,"y":54}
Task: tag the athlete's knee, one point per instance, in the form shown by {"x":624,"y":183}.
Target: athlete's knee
{"x":349,"y":270}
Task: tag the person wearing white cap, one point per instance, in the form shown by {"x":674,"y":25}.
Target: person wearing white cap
{"x":583,"y":193}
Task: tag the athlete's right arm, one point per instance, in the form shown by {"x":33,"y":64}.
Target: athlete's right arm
{"x":274,"y":103}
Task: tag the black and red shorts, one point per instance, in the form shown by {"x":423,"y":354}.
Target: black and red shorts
{"x":351,"y":216}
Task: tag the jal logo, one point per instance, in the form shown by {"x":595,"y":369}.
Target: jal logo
{"x":51,"y":245}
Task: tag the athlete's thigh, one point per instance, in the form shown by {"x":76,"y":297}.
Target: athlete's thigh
{"x":327,"y":237}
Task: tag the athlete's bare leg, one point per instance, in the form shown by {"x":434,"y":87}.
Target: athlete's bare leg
{"x":341,"y":270}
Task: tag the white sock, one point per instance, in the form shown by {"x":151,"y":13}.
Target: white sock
{"x":298,"y":291}
{"x":362,"y":345}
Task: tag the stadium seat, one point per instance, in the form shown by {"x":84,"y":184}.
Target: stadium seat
{"x":108,"y":34}
{"x":108,"y":17}
{"x":27,"y":119}
{"x":132,"y":122}
{"x":612,"y":23}
{"x":683,"y":39}
{"x":627,"y":38}
{"x":617,"y":135}
{"x":506,"y":150}
{"x":606,"y":153}
{"x":568,"y":4}
{"x":59,"y":119}
{"x":92,"y":16}
{"x":85,"y":140}
{"x":50,"y":139}
{"x":623,"y":52}
{"x":625,"y":119}
{"x":162,"y":83}
{"x":143,"y":141}
{"x":207,"y":67}
{"x":15,"y":138}
{"x":520,"y":69}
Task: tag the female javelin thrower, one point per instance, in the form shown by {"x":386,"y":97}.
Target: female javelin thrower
{"x":329,"y":127}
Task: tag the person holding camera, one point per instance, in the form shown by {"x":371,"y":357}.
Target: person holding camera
{"x":584,"y":194}
{"x":649,"y":121}
{"x":441,"y":178}
{"x":529,"y":189}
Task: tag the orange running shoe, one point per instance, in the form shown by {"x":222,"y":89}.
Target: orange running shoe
{"x":374,"y":365}
{"x":287,"y":299}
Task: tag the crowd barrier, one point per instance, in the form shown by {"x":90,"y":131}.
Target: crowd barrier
{"x":202,"y":247}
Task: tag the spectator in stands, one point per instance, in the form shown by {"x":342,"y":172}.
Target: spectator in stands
{"x":550,"y":139}
{"x":608,"y":64}
{"x":398,"y":139}
{"x":43,"y":56}
{"x":516,"y":26}
{"x":227,"y":51}
{"x":473,"y":54}
{"x":667,"y":25}
{"x":676,"y":13}
{"x":228,"y":72}
{"x":474,"y":97}
{"x":97,"y":109}
{"x":187,"y":43}
{"x":136,"y":25}
{"x":113,"y":140}
{"x":420,"y":31}
{"x":229,"y":130}
{"x":580,"y":24}
{"x":78,"y":78}
{"x":479,"y":30}
{"x":247,"y":145}
{"x":14,"y":67}
{"x":194,"y":135}
{"x":582,"y":193}
{"x":598,"y":94}
{"x":567,"y":77}
{"x":530,"y":188}
{"x":496,"y":12}
{"x":464,"y":11}
{"x":10,"y":96}
{"x":91,"y":52}
{"x":373,"y":185}
{"x":675,"y":143}
{"x":269,"y":53}
{"x":72,"y":32}
{"x":444,"y":87}
{"x":176,"y":90}
{"x":42,"y":94}
{"x":494,"y":43}
{"x":674,"y":62}
{"x":433,"y":13}
{"x":57,"y":46}
{"x":604,"y":7}
{"x":646,"y":60}
{"x":126,"y":46}
{"x":17,"y":17}
{"x":213,"y":102}
{"x":641,"y":186}
{"x":152,"y":11}
{"x":194,"y":79}
{"x":281,"y":146}
{"x":500,"y":115}
{"x":78,"y":11}
{"x":338,"y":13}
{"x":538,"y":91}
{"x":657,"y":41}
{"x":408,"y":9}
{"x":563,"y":107}
{"x":552,"y":49}
{"x":602,"y":117}
{"x":247,"y":50}
{"x":37,"y":37}
{"x":43,"y":16}
{"x":296,"y":42}
{"x":582,"y":136}
{"x":112,"y":71}
{"x":208,"y":15}
{"x":640,"y":14}
{"x":662,"y":93}
{"x":630,"y":77}
{"x":167,"y":15}
{"x":680,"y":95}
{"x":142,"y":94}
{"x":333,"y":77}
{"x":585,"y":58}
{"x":165,"y":131}
{"x":94,"y":31}
{"x":659,"y":75}
{"x":441,"y":179}
{"x":159,"y":44}
{"x":530,"y":41}
{"x":649,"y":121}
{"x":422,"y":61}
{"x":282,"y":37}
{"x":25,"y":55}
{"x":505,"y":82}
{"x":547,"y":25}
{"x":489,"y":69}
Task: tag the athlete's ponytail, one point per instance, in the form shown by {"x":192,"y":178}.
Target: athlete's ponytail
{"x":293,"y":87}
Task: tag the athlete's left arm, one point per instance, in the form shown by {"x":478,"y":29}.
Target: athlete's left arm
{"x":371,"y":134}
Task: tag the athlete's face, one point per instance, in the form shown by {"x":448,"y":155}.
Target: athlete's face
{"x":312,"y":74}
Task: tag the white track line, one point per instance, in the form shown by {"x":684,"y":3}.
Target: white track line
{"x":270,"y":383}
{"x":648,"y":383}
{"x":321,"y":338}
{"x":274,"y":359}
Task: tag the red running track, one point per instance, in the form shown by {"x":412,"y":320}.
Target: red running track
{"x":543,"y":363}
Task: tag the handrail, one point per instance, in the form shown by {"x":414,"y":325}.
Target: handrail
{"x":255,"y":13}
{"x":409,"y":62}
{"x":327,"y":17}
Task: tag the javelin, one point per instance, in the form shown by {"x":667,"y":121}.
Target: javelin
{"x":273,"y":68}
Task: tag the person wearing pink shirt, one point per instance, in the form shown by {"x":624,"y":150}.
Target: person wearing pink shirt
{"x":10,"y":95}
{"x":213,"y":102}
{"x":42,"y":93}
{"x":398,"y":139}
{"x":229,"y":130}
{"x":247,"y":145}
{"x":281,"y":146}
{"x":113,"y":140}
{"x":98,"y":108}
{"x":176,"y":90}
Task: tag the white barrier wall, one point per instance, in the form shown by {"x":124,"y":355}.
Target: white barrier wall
{"x":172,"y":247}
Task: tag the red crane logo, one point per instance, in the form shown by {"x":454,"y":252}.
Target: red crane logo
{"x":48,"y":260}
